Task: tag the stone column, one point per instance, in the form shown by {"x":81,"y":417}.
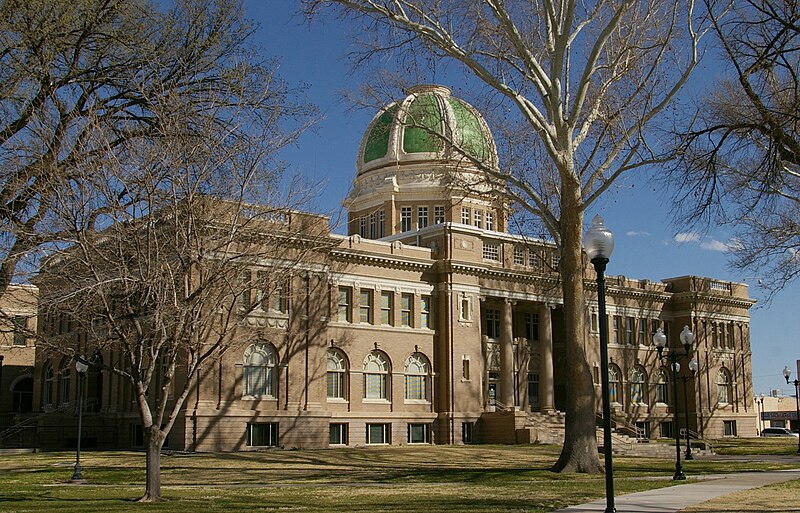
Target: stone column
{"x":506,"y":355}
{"x":546,"y":395}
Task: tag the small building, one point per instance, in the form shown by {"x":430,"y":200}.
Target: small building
{"x":18,"y":328}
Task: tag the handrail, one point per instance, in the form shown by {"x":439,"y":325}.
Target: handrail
{"x":19,"y":426}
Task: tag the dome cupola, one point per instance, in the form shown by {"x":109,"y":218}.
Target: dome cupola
{"x":414,"y":159}
{"x":428,"y":124}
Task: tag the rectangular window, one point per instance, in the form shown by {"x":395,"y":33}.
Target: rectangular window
{"x":20,"y":330}
{"x":630,"y":329}
{"x":373,"y":231}
{"x":375,"y":386}
{"x":438,"y":214}
{"x":422,"y":217}
{"x":405,"y":219}
{"x":729,"y":427}
{"x":618,"y":329}
{"x":362,"y":226}
{"x":419,"y":433}
{"x":416,"y":390}
{"x":262,"y":434}
{"x":534,"y":260}
{"x":593,"y":323}
{"x":338,"y":434}
{"x":643,"y":331}
{"x":379,"y":433}
{"x":244,"y":295}
{"x":465,"y":215}
{"x":335,"y":382}
{"x":491,"y":251}
{"x":519,"y":255}
{"x":425,"y":312}
{"x":466,"y":432}
{"x":365,"y":306}
{"x":493,"y":323}
{"x":137,"y":436}
{"x":666,"y":429}
{"x":278,"y":299}
{"x":489,"y":220}
{"x":407,"y":310}
{"x":479,"y":218}
{"x":345,"y":299}
{"x":654,"y":325}
{"x":387,"y":308}
{"x":532,"y":326}
{"x":465,"y":369}
{"x":465,"y":310}
{"x":381,"y":224}
{"x":556,"y":256}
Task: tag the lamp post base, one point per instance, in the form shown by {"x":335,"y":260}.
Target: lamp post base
{"x":76,"y":476}
{"x":679,"y":475}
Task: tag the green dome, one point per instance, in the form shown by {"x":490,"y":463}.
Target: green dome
{"x":422,"y":126}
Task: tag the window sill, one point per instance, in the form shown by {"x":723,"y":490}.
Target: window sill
{"x":261,"y":398}
{"x":337,"y":400}
{"x":375,"y":401}
{"x":416,"y":401}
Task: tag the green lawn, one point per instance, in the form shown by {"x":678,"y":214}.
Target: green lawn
{"x":399,"y":479}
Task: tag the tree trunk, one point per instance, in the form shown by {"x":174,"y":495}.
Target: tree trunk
{"x":579,"y":453}
{"x":153,"y":440}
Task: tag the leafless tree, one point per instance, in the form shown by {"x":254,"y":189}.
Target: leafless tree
{"x":139,"y":160}
{"x":740,"y":162}
{"x":81,"y":79}
{"x":584,"y":84}
{"x":161,"y":282}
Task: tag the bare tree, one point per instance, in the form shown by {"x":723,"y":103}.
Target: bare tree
{"x":584,"y":84}
{"x":81,"y":79}
{"x":741,"y":156}
{"x":139,"y":157}
{"x":160,"y":284}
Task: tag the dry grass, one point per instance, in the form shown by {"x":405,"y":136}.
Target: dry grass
{"x":492,"y":479}
{"x":777,"y":498}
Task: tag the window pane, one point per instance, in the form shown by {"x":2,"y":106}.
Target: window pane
{"x":415,"y":387}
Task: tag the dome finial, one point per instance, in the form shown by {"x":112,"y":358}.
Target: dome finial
{"x":429,"y":88}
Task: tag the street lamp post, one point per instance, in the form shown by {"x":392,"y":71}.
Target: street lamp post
{"x":693,"y":366}
{"x":599,"y":243}
{"x":760,"y":408}
{"x":660,"y":341}
{"x":787,"y":374}
{"x":81,"y":367}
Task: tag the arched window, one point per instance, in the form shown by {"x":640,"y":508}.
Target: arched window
{"x":637,"y":383}
{"x":22,"y":395}
{"x":63,"y":381}
{"x":614,"y":388}
{"x":376,"y":376}
{"x":259,"y":371}
{"x":724,"y":387}
{"x":416,"y":374}
{"x":337,"y":375}
{"x":47,"y":384}
{"x":662,"y":387}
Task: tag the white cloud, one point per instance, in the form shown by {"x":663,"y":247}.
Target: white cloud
{"x":637,"y":234}
{"x":715,"y":245}
{"x":687,"y":237}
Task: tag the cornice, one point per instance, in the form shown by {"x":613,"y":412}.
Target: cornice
{"x":712,"y":299}
{"x":376,"y":260}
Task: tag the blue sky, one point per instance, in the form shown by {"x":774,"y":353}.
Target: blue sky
{"x":647,"y":244}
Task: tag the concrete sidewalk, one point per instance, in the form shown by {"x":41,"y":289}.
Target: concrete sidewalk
{"x":675,"y":498}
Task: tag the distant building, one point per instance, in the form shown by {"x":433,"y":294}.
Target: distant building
{"x":18,"y":327}
{"x":431,"y":323}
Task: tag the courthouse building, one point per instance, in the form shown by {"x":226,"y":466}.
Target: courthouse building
{"x":434,"y":324}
